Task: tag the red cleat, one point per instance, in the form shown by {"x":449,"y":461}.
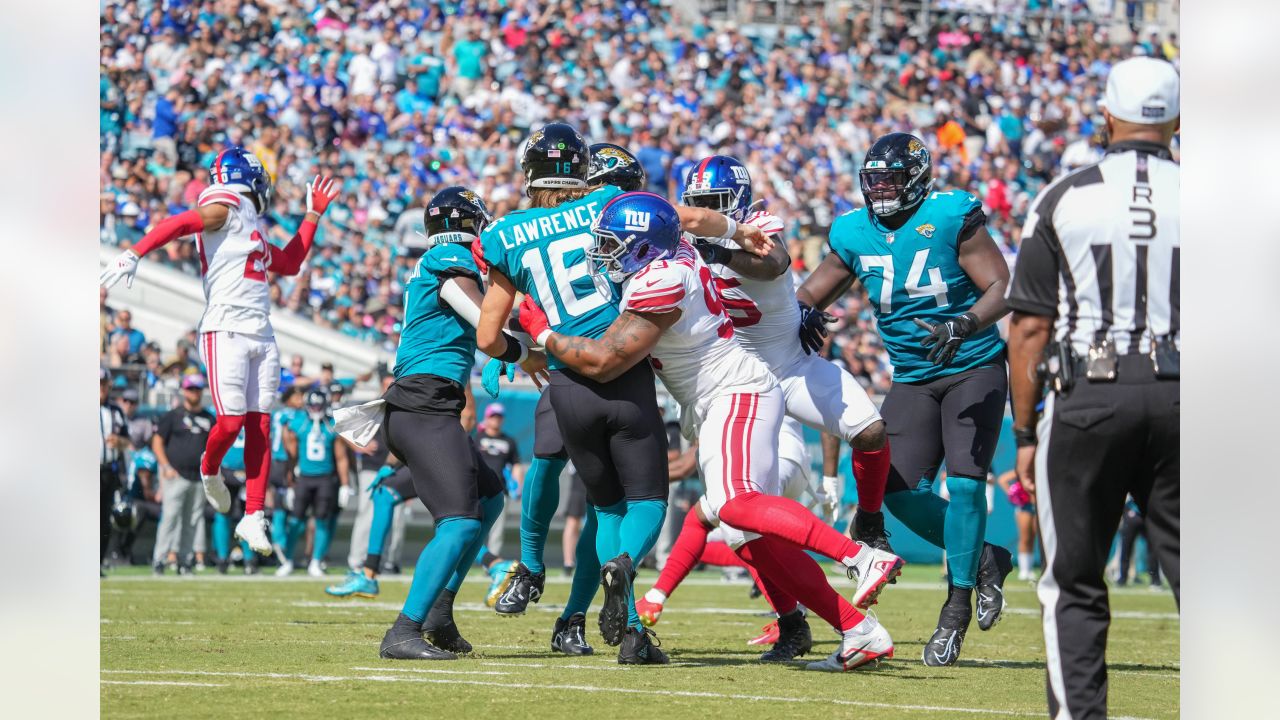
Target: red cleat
{"x":768,"y":636}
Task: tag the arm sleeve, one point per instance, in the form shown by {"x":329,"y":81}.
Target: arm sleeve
{"x":168,"y":230}
{"x":973,"y":220}
{"x":288,"y":260}
{"x":1034,"y":287}
{"x":454,"y":297}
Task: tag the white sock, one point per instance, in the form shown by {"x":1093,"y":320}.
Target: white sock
{"x":867,"y":625}
{"x":1024,"y":563}
{"x":655,"y":596}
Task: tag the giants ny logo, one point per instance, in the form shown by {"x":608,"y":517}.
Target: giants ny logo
{"x":635,"y":220}
{"x":740,"y":174}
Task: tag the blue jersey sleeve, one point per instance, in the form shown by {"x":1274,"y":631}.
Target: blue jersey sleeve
{"x":449,"y":260}
{"x":841,"y":238}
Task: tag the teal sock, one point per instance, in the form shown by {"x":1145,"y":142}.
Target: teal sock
{"x":280,"y":527}
{"x":454,"y":536}
{"x":481,"y":553}
{"x":296,"y":527}
{"x":244,"y":548}
{"x":490,"y":509}
{"x":639,"y":531}
{"x":965,"y":528}
{"x":923,"y":512}
{"x":385,"y":501}
{"x":221,"y":536}
{"x":537,"y":506}
{"x":586,"y":569}
{"x":609,"y":530}
{"x":324,"y":536}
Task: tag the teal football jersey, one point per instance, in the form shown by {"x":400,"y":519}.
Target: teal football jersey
{"x":279,"y":419}
{"x":543,"y":252}
{"x":436,"y":340}
{"x":234,"y":459}
{"x":914,"y":272}
{"x":315,"y":444}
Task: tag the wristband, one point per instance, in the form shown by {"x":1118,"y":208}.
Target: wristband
{"x":733,"y":228}
{"x":524,"y":353}
{"x":542,"y":337}
{"x":514,"y":352}
{"x":1024,"y":437}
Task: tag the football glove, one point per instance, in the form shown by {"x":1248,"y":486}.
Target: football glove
{"x":289,"y":496}
{"x":944,"y":338}
{"x":123,"y":267}
{"x":493,"y":371}
{"x":813,"y":327}
{"x":344,"y":496}
{"x":829,"y":496}
{"x":534,"y":320}
{"x":321,"y":192}
{"x":384,"y":472}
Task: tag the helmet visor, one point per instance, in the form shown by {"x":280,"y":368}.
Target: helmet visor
{"x":883,"y":185}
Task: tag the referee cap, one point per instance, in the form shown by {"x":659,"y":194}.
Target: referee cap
{"x":1143,"y":90}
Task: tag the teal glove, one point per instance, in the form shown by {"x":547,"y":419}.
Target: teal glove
{"x":493,"y":373}
{"x":384,"y":472}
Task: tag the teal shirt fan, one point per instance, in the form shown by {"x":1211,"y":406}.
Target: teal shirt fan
{"x":436,"y":340}
{"x":915,"y":272}
{"x":543,"y":252}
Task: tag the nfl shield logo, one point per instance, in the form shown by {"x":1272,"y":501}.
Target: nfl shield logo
{"x":889,"y":238}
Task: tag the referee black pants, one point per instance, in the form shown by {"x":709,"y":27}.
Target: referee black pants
{"x":1098,"y":443}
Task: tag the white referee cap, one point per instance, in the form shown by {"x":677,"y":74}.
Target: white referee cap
{"x":1142,"y":90}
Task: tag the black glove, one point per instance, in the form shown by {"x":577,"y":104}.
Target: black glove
{"x":945,"y":338}
{"x":813,"y":328}
{"x":713,"y":254}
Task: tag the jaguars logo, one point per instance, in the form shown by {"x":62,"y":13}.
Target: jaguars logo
{"x":926,"y":230}
{"x":614,"y":157}
{"x":915,"y":146}
{"x":534,"y":138}
{"x":471,"y":197}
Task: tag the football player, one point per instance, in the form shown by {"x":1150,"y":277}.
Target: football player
{"x":281,"y":475}
{"x":759,"y":296}
{"x":671,"y":312}
{"x":237,"y":344}
{"x":319,"y":452}
{"x":936,"y":281}
{"x":612,"y":430}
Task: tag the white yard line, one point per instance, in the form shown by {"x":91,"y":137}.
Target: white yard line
{"x":160,"y":682}
{"x":1124,"y":614}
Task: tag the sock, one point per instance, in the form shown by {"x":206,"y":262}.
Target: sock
{"x":608,"y":527}
{"x":490,"y":509}
{"x":324,"y":536}
{"x":966,"y":526}
{"x":441,"y":613}
{"x":257,"y":460}
{"x":279,"y":527}
{"x":250,"y":557}
{"x":406,"y":625}
{"x":222,"y":436}
{"x":689,"y":546}
{"x":486,"y":558}
{"x":784,"y":602}
{"x":637,"y":535}
{"x":295,"y":527}
{"x":1025,"y":561}
{"x":586,"y":571}
{"x":783,"y":565}
{"x":721,"y":555}
{"x":385,"y":501}
{"x":221,"y":536}
{"x":960,"y":596}
{"x":871,"y":472}
{"x":537,"y":506}
{"x":788,"y":520}
{"x":923,"y":512}
{"x":437,"y":563}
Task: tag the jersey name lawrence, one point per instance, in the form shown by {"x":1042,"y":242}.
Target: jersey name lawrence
{"x":543,"y":252}
{"x":764,"y":312}
{"x":914,"y":272}
{"x":233,"y":263}
{"x":697,"y":358}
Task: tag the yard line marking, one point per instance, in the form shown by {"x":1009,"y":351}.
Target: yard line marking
{"x":1126,"y":614}
{"x":543,"y":665}
{"x":429,"y":671}
{"x":160,"y":682}
{"x":597,"y":689}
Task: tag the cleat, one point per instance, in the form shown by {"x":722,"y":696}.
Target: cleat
{"x":499,"y":578}
{"x":994,"y":566}
{"x":872,"y":573}
{"x":868,"y":529}
{"x":356,"y":584}
{"x":638,"y":649}
{"x":943,"y":648}
{"x":523,"y":588}
{"x":285,"y":569}
{"x":649,"y":611}
{"x":794,"y":639}
{"x":768,"y":635}
{"x":215,"y":490}
{"x":315,"y":569}
{"x":404,"y":642}
{"x":448,"y":638}
{"x":254,"y":529}
{"x":615,"y":579}
{"x":570,"y":636}
{"x":860,"y":646}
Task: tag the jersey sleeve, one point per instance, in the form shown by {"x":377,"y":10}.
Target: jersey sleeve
{"x":490,"y":250}
{"x":1033,"y":289}
{"x":219,"y":195}
{"x":450,"y":260}
{"x":660,"y":287}
{"x":963,"y":212}
{"x":840,"y":239}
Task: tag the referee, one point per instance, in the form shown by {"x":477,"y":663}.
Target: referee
{"x":1095,"y":298}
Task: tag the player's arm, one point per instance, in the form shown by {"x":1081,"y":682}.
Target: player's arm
{"x":830,"y":455}
{"x":342,"y":460}
{"x":162,"y":457}
{"x":982,"y":261}
{"x":627,"y":341}
{"x":831,"y":279}
{"x":288,"y":260}
{"x":291,"y":444}
{"x":703,"y":222}
{"x":462,"y":293}
{"x":746,"y":264}
{"x":1028,"y":336}
{"x":206,"y":218}
{"x":468,"y":416}
{"x":681,"y":465}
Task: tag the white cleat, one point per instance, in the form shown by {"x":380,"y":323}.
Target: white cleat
{"x":215,"y":490}
{"x":285,"y":569}
{"x":252,"y":529}
{"x":873,"y":569}
{"x":315,"y":569}
{"x":867,"y":643}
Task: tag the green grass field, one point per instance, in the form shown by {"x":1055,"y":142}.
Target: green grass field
{"x":211,"y":646}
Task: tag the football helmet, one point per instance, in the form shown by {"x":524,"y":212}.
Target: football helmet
{"x":720,"y":183}
{"x":317,"y":404}
{"x":615,"y":165}
{"x":633,"y":230}
{"x":241,"y":171}
{"x":555,"y":156}
{"x":455,"y":215}
{"x":896,"y":174}
{"x":124,"y":516}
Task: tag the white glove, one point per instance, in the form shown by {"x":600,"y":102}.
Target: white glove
{"x":124,"y":266}
{"x":344,"y":496}
{"x":829,"y":496}
{"x":288,"y":500}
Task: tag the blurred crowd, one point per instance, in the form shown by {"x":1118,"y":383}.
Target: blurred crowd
{"x":399,"y":99}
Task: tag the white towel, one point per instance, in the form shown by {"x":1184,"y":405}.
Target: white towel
{"x":359,"y":423}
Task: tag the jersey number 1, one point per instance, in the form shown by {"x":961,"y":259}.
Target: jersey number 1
{"x":561,"y":278}
{"x":937,"y":288}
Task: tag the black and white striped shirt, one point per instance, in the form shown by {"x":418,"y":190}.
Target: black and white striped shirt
{"x":1100,"y":252}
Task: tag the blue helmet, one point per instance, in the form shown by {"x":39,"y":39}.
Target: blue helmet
{"x":633,"y":230}
{"x":720,"y":183}
{"x":242,"y":171}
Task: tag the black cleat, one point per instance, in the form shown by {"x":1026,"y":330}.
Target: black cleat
{"x":638,"y":649}
{"x":570,"y":636}
{"x":404,"y":641}
{"x":794,"y":639}
{"x":525,"y":587}
{"x":994,"y":566}
{"x":943,"y":648}
{"x":447,"y":637}
{"x":868,"y":528}
{"x":615,"y":579}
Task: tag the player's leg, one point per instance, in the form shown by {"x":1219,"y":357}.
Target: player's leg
{"x":685,"y":555}
{"x":383,"y":501}
{"x":260,"y":395}
{"x":541,"y":486}
{"x":574,"y":514}
{"x":362,"y":519}
{"x":569,"y":634}
{"x":913,"y":422}
{"x":1161,"y":498}
{"x":226,"y":358}
{"x":326,"y":506}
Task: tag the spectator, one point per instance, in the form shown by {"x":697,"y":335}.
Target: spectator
{"x":124,"y":327}
{"x":140,"y":428}
{"x":113,"y":441}
{"x":500,"y":452}
{"x":178,"y":444}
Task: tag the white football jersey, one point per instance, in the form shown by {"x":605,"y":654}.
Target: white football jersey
{"x":765,"y":315}
{"x":233,"y":263}
{"x":697,"y":358}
